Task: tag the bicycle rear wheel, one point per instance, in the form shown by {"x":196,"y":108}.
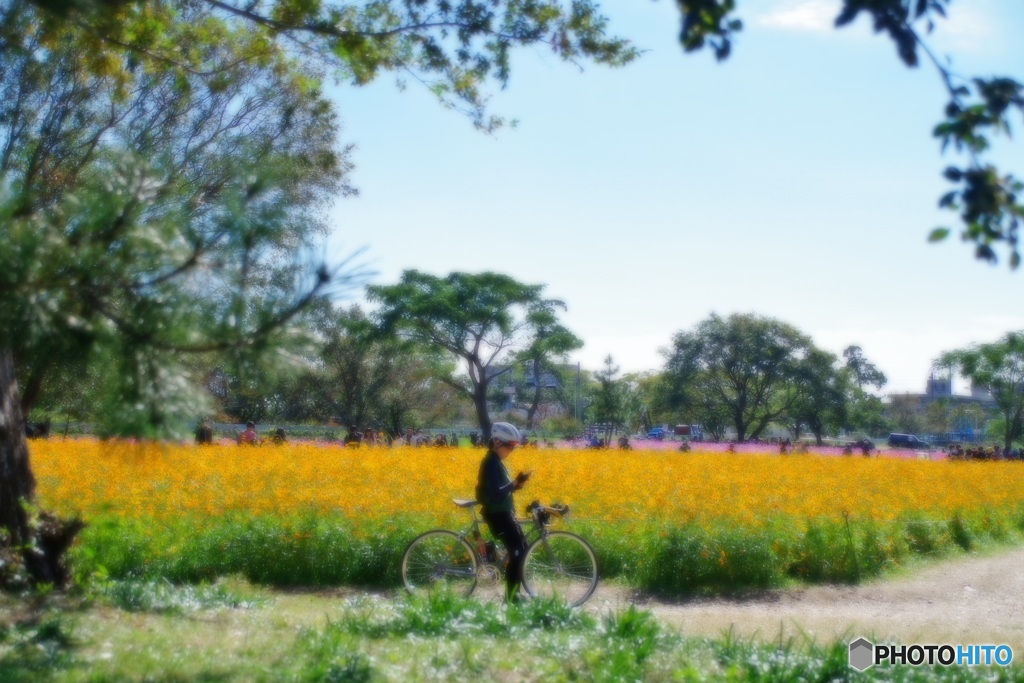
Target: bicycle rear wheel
{"x":439,"y":560}
{"x":560,"y":565}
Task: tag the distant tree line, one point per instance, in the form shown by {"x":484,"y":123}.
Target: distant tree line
{"x":427,"y":358}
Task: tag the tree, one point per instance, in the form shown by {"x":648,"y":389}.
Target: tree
{"x":482,"y":319}
{"x":148,"y":214}
{"x":551,"y":342}
{"x":573,"y":391}
{"x":905,"y":414}
{"x":355,"y":375}
{"x":740,"y":365}
{"x":939,"y":416}
{"x":998,"y":368}
{"x":64,"y":127}
{"x":867,"y":413}
{"x":642,"y":407}
{"x":684,"y":393}
{"x":988,"y":201}
{"x":822,"y":389}
{"x":609,"y":406}
{"x":454,"y":49}
{"x":864,"y":372}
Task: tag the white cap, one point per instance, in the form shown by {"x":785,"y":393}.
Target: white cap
{"x":503,"y":431}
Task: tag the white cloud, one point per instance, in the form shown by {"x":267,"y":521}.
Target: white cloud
{"x":966,"y":29}
{"x":816,"y":16}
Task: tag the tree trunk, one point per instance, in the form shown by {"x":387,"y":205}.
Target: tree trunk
{"x":483,"y":416}
{"x":536,"y":395}
{"x":17,"y":485}
{"x":1010,"y":423}
{"x":44,"y":541}
{"x":741,"y":430}
{"x":31,"y":391}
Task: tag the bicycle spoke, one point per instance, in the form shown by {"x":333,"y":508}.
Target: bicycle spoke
{"x":439,"y":560}
{"x":561,"y":565}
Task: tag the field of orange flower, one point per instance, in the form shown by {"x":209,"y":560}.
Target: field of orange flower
{"x":319,"y":513}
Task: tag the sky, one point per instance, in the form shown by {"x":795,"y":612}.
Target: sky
{"x":798,"y":179}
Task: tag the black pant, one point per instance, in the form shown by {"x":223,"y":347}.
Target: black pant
{"x":505,"y":528}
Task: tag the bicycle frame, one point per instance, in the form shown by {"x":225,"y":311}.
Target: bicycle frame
{"x":473,"y":536}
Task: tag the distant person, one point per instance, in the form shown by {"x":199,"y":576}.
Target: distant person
{"x":37,"y":430}
{"x":204,"y":434}
{"x":624,"y":443}
{"x":352,"y":437}
{"x":249,"y":437}
{"x":279,"y":437}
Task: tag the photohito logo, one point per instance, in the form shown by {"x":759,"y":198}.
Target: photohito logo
{"x":865,"y":654}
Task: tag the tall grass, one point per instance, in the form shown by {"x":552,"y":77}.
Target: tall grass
{"x":672,"y":560}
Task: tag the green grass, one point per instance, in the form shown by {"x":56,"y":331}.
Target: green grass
{"x":673,"y":560}
{"x":30,"y":650}
{"x":163,"y":596}
{"x":314,"y":638}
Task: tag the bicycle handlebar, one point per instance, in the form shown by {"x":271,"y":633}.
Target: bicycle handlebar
{"x":542,"y":513}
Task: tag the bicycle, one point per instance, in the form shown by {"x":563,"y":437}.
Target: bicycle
{"x":557,"y":563}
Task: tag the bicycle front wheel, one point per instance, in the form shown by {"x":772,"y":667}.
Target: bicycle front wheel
{"x":560,"y":565}
{"x":439,"y":560}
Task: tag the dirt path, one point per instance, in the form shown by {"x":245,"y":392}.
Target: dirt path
{"x":966,"y":600}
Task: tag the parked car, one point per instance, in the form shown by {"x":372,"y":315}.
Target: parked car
{"x":907,"y":441}
{"x":658,"y":434}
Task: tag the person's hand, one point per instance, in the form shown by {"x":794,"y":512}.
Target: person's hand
{"x":522,"y":478}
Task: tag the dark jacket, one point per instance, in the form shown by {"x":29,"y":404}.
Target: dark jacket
{"x":495,"y":486}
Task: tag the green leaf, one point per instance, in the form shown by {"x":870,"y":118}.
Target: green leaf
{"x":938,"y":234}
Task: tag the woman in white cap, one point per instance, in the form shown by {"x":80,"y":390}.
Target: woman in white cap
{"x":494,"y":491}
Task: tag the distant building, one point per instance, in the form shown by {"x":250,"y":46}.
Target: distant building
{"x":941,"y":388}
